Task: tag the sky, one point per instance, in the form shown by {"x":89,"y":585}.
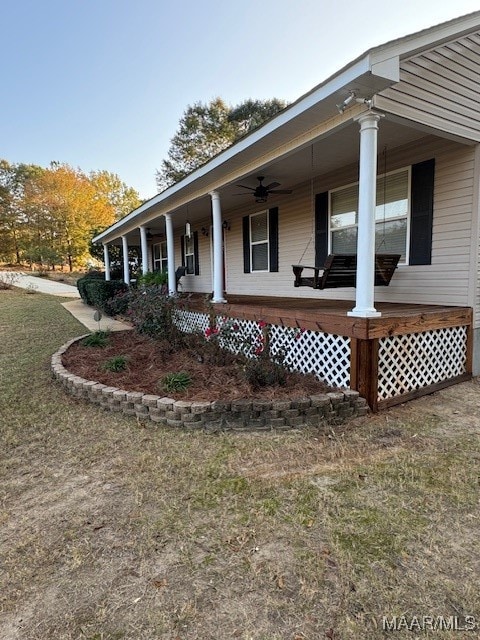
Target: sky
{"x":102,"y":84}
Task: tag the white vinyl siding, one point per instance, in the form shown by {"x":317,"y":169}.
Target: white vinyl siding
{"x":445,"y":281}
{"x":440,"y":88}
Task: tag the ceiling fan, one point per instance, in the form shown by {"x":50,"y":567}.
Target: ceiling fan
{"x":151,"y":234}
{"x":261,"y":191}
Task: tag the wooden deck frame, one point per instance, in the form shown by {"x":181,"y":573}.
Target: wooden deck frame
{"x":330,"y":316}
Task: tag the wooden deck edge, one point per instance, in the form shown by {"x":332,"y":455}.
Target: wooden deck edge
{"x":424,"y":391}
{"x":352,"y":327}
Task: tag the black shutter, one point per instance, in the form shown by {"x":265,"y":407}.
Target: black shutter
{"x":321,"y":228}
{"x":421,"y":216}
{"x":246,"y":244}
{"x":195,"y":253}
{"x":273,"y":238}
{"x":182,"y":243}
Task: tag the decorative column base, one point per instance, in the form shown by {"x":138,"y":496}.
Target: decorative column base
{"x":364,"y":313}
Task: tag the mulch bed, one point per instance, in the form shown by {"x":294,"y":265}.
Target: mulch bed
{"x":148,"y":361}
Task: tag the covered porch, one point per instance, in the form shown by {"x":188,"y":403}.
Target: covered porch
{"x":408,"y":351}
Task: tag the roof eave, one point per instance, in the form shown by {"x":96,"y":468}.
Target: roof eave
{"x":334,"y":85}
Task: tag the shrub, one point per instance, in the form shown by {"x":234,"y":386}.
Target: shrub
{"x":264,"y":373}
{"x":81,"y":282}
{"x":100,"y":291}
{"x":96,"y":339}
{"x":157,"y":278}
{"x":118,"y":304}
{"x":152,"y":313}
{"x":115,"y":364}
{"x":176,"y":381}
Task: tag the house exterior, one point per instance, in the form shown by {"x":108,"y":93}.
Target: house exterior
{"x":383,"y":157}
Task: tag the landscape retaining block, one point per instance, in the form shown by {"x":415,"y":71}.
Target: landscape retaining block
{"x":238,"y":415}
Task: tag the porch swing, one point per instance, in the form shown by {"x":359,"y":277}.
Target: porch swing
{"x":340,"y":269}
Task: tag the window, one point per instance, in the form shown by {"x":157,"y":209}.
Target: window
{"x":391,"y":216}
{"x":259,"y":244}
{"x":190,"y":253}
{"x":160,"y":260}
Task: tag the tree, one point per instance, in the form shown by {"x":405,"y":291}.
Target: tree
{"x":63,"y":208}
{"x":116,"y":193}
{"x":207,"y":129}
{"x":15,"y":180}
{"x":251,"y":114}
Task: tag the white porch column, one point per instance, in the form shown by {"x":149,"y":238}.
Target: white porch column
{"x":217,"y":248}
{"x":172,"y":284}
{"x":364,"y":301}
{"x":144,"y":249}
{"x":106,"y":260}
{"x":126,"y":272}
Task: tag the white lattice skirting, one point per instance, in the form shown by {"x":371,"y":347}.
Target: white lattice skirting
{"x":413,"y":361}
{"x":326,"y":356}
{"x":191,"y":321}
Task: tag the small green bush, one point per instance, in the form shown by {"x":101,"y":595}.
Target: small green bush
{"x":155,"y":278}
{"x":100,"y":291}
{"x":115,"y":364}
{"x":81,"y":282}
{"x":176,"y":381}
{"x":96,"y":339}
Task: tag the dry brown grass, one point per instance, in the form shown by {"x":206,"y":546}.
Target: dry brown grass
{"x":113,"y":530}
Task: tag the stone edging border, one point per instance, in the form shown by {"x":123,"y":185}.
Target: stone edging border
{"x":237,"y":415}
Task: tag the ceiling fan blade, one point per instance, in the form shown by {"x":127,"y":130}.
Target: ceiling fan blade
{"x":245,"y":187}
{"x":272,"y":185}
{"x":286,"y":191}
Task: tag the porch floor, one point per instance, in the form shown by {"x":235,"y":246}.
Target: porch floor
{"x":330,"y":316}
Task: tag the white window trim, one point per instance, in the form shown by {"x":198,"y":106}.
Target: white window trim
{"x":163,"y":257}
{"x":191,"y":253}
{"x":267,"y":242}
{"x":408,"y":169}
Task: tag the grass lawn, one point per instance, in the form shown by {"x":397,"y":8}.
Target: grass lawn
{"x":111,"y":529}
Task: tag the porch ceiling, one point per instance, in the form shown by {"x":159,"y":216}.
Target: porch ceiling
{"x":324,"y":155}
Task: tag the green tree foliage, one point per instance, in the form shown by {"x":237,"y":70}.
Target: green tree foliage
{"x":207,"y":129}
{"x":15,"y":183}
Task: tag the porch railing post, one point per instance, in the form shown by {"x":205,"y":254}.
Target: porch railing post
{"x":364,"y":369}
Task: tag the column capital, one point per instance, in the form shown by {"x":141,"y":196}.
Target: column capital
{"x":167,"y":216}
{"x":369,"y":118}
{"x":214,"y":195}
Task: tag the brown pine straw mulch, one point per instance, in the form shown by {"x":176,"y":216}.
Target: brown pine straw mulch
{"x":148,"y":361}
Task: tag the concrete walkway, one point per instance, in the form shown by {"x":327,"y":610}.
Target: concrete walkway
{"x":81,"y":311}
{"x":42,"y":285}
{"x":84,"y":314}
